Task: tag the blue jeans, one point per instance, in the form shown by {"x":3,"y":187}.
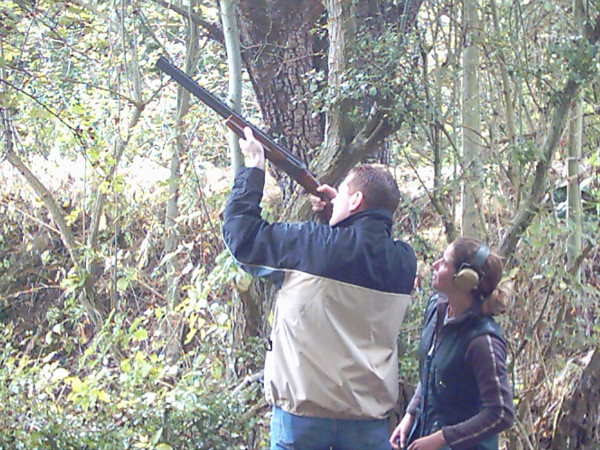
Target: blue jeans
{"x":292,"y":432}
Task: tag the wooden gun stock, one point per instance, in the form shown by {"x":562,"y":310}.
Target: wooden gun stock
{"x":277,"y":154}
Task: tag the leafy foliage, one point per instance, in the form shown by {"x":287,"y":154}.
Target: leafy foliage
{"x":72,"y":93}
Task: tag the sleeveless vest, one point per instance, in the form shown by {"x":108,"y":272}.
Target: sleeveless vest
{"x":449,"y":393}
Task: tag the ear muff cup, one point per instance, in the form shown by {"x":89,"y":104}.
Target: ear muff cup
{"x":469,"y":275}
{"x":466,"y":279}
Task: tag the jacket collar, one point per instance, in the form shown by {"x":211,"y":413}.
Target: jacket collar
{"x":381,"y":215}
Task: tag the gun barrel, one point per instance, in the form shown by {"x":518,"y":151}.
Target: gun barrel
{"x":193,"y":87}
{"x":274,"y":152}
{"x":224,"y":111}
{"x":290,"y":165}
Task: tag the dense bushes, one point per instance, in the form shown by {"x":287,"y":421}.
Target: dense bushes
{"x":65,"y":385}
{"x":137,"y":402}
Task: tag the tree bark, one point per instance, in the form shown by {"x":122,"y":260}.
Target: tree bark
{"x":348,"y":144}
{"x":340,"y":31}
{"x":471,"y":129}
{"x":574,"y":207}
{"x":279,"y":49}
{"x":577,"y":417}
{"x":284,"y":57}
{"x":234,"y":63}
{"x":172,"y":326}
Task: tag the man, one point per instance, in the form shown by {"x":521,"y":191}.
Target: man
{"x":332,"y":371}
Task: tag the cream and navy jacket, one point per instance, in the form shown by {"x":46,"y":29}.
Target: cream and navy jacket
{"x":343,"y":294}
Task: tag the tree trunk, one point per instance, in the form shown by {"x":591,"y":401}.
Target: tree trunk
{"x":247,"y":311}
{"x":92,"y":264}
{"x":341,"y":30}
{"x":564,"y":99}
{"x":279,"y":50}
{"x":172,"y":325}
{"x":95,"y":311}
{"x":514,"y":166}
{"x":438,"y":195}
{"x":577,"y":418}
{"x":471,"y":129}
{"x":574,"y":207}
{"x":282,"y":53}
{"x":234,"y":63}
{"x":530,"y":206}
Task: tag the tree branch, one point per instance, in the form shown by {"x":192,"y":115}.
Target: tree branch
{"x":212,"y":30}
{"x":530,"y":208}
{"x":57,"y":214}
{"x":73,"y":129}
{"x":557,"y":127}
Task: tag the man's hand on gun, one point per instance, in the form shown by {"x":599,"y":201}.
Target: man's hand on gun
{"x":254,"y":156}
{"x":254,"y":153}
{"x":318,"y":204}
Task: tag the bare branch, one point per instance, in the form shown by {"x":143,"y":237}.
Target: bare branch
{"x":212,"y":30}
{"x":529,"y":210}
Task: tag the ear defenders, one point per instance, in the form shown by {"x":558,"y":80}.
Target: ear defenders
{"x":470,"y":273}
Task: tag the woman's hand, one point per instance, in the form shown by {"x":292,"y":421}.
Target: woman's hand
{"x":434,"y":441}
{"x":254,"y":153}
{"x":318,"y":204}
{"x":400,"y":434}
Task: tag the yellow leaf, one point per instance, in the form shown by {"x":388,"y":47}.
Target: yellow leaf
{"x":76,"y":383}
{"x":190,"y":335}
{"x":103,"y":396}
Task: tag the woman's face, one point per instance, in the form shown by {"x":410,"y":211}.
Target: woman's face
{"x":444,"y":270}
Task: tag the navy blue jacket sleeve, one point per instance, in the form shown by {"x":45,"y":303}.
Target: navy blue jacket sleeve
{"x":254,"y":241}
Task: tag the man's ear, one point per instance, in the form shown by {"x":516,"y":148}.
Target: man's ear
{"x":356,"y":201}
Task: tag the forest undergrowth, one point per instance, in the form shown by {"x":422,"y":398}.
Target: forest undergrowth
{"x":64,"y":384}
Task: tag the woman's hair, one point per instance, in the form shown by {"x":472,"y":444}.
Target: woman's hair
{"x":492,"y":293}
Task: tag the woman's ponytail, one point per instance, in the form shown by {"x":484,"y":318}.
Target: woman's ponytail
{"x":497,"y":301}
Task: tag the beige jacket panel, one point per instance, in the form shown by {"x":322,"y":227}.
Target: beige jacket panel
{"x":334,"y":349}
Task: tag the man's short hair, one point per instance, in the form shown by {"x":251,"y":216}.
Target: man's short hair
{"x":378,"y":186}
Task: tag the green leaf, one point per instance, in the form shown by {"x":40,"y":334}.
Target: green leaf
{"x":123,"y":284}
{"x":140,"y":335}
{"x":162,"y":446}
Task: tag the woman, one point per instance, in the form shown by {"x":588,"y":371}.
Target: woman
{"x":463,"y":399}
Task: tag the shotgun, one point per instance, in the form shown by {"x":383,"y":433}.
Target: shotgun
{"x":277,"y":154}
